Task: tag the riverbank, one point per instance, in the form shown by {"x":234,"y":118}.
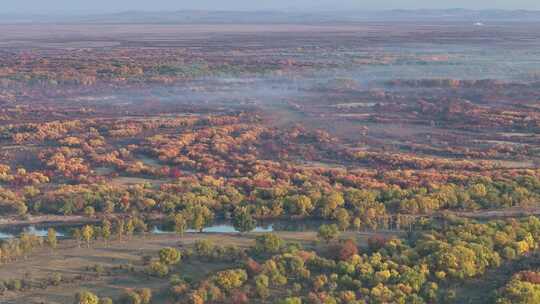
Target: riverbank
{"x":47,"y":219}
{"x":80,"y":219}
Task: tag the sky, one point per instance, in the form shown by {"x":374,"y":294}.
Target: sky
{"x":49,"y":6}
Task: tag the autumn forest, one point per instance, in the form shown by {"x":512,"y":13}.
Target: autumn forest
{"x":319,"y":164}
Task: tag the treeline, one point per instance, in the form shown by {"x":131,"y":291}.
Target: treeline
{"x":198,"y":201}
{"x":13,"y":249}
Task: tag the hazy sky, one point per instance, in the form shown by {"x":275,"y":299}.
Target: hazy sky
{"x":47,"y":6}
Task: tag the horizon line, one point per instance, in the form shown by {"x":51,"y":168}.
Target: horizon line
{"x":287,"y":10}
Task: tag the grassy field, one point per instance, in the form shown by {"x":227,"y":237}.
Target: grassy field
{"x":71,"y":261}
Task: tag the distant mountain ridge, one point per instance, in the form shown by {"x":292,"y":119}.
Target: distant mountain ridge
{"x":194,"y":17}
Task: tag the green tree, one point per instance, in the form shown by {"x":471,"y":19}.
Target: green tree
{"x":204,"y":248}
{"x":89,"y":211}
{"x":291,"y":300}
{"x":77,"y":235}
{"x":169,"y":256}
{"x":86,"y":297}
{"x":120,"y":225}
{"x":243,"y":221}
{"x":180,"y":224}
{"x":140,"y":226}
{"x":299,"y":205}
{"x":106,"y":230}
{"x":331,"y":202}
{"x":145,"y":295}
{"x":200,"y":216}
{"x":105,"y":301}
{"x":268,"y":243}
{"x":52,"y":241}
{"x":230,"y":279}
{"x":131,"y":297}
{"x":129,"y":228}
{"x":55,"y":279}
{"x":343,"y":218}
{"x":157,"y":268}
{"x":328,"y":232}
{"x":357,"y":223}
{"x":262,"y":283}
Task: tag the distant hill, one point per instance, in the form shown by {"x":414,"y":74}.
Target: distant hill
{"x":193,"y":17}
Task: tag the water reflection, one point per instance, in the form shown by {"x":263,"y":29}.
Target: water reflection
{"x":8,"y":233}
{"x":64,"y":230}
{"x":212,"y":229}
{"x":4,"y":235}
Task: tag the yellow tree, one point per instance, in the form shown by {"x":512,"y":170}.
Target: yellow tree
{"x":87,"y":234}
{"x":106,"y":230}
{"x":52,"y":241}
